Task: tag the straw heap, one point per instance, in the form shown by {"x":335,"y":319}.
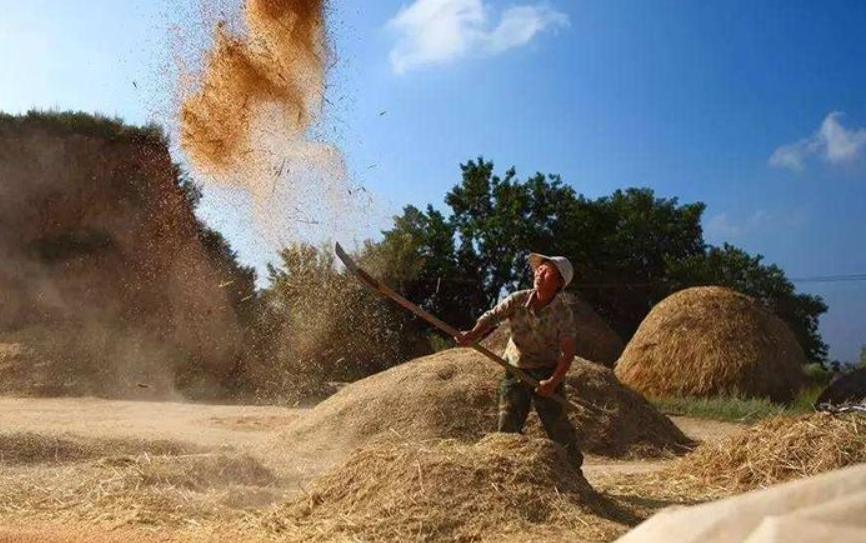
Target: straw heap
{"x":448,"y":491}
{"x":711,"y":341}
{"x":778,"y":450}
{"x":453,"y":395}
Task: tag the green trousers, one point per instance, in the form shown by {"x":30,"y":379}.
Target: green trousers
{"x":515,"y":400}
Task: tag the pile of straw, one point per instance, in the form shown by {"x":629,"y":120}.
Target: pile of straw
{"x":453,"y":395}
{"x":596,"y":340}
{"x":445,"y":395}
{"x":778,"y":450}
{"x":711,"y":341}
{"x":448,"y":491}
{"x":630,"y":427}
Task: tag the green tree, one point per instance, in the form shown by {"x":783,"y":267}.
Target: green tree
{"x":863,"y":356}
{"x":497,"y":220}
{"x":619,"y":244}
{"x":630,"y":249}
{"x":731,"y":267}
{"x":419,"y":257}
{"x":621,"y":247}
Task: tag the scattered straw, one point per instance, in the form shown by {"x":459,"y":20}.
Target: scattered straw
{"x":777,"y":450}
{"x":127,"y":483}
{"x":33,"y":448}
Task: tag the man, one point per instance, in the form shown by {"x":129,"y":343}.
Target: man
{"x":542,"y":345}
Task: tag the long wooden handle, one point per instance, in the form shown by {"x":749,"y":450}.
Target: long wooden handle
{"x":384,"y":290}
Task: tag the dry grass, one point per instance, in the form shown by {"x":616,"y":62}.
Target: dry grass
{"x":117,"y":483}
{"x":596,"y":340}
{"x":774,"y":451}
{"x":711,"y":341}
{"x":453,"y":395}
{"x":504,"y":487}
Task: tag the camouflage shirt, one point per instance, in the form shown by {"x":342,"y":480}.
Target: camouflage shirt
{"x":535,"y":337}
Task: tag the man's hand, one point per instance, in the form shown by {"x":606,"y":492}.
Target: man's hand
{"x":465,"y":339}
{"x":546,"y":388}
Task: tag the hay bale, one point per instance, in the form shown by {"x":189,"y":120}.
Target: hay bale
{"x":596,"y":341}
{"x":445,"y":491}
{"x":778,"y":449}
{"x":453,"y":395}
{"x":712,"y":341}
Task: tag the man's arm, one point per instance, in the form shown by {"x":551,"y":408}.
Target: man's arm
{"x":488,"y":321}
{"x":471,"y":336}
{"x":567,"y":349}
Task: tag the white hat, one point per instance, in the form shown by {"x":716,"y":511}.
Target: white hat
{"x":562,"y":264}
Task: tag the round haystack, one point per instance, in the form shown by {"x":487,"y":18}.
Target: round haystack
{"x":596,"y":341}
{"x":712,"y":341}
{"x":446,"y":491}
{"x":847,"y":389}
{"x":453,"y":394}
{"x":776,"y":450}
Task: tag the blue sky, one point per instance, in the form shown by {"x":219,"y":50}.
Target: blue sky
{"x":757,"y":108}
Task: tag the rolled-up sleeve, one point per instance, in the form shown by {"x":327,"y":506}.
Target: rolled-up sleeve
{"x":502,"y":311}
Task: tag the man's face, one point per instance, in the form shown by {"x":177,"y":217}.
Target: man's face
{"x":547,"y":278}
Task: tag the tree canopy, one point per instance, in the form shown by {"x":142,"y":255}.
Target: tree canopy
{"x":630,"y":250}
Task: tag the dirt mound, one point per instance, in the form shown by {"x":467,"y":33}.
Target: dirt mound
{"x":712,"y":341}
{"x":446,"y":491}
{"x":103,"y":272}
{"x":452,"y":395}
{"x":596,"y":340}
{"x":778,"y":450}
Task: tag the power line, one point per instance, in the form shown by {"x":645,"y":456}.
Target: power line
{"x":829,"y":278}
{"x":618,"y":284}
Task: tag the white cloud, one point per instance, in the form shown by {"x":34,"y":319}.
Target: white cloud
{"x":441,"y":31}
{"x":832,"y":142}
{"x":721,"y":227}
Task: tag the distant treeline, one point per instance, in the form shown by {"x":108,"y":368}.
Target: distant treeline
{"x":630,"y":249}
